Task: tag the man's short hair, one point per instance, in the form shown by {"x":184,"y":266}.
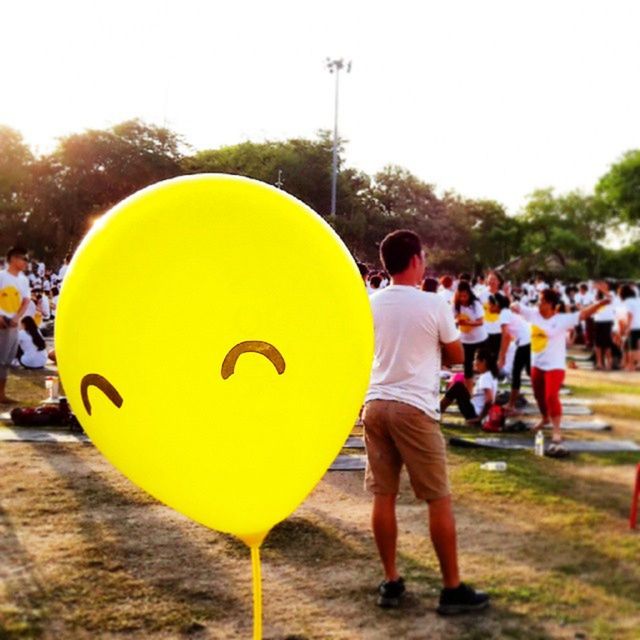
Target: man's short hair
{"x":397,"y":249}
{"x":16,"y":251}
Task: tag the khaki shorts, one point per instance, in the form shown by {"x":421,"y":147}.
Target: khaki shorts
{"x":396,"y":433}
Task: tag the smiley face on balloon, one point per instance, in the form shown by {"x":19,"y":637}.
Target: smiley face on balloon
{"x":214,"y":339}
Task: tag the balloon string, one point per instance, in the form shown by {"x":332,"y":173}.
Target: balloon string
{"x":257,"y":592}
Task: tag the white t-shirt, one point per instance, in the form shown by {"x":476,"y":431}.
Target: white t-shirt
{"x":63,"y":271}
{"x":32,"y":357}
{"x":606,"y":313}
{"x":409,"y":326}
{"x":632,"y":305}
{"x":472,"y":335}
{"x":447,"y":294}
{"x":45,"y":307}
{"x":520,"y":330}
{"x":13,"y":289}
{"x":485,"y":381}
{"x":491,"y":320}
{"x":549,"y":338}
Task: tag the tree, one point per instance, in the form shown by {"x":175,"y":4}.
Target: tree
{"x":90,"y":172}
{"x":495,"y":237}
{"x":573,"y":225}
{"x":620,"y":187}
{"x":304,"y":166}
{"x":15,"y":181}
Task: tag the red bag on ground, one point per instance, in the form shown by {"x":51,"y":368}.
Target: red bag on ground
{"x":495,"y":420}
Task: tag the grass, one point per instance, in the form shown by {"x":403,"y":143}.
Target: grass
{"x":89,"y":555}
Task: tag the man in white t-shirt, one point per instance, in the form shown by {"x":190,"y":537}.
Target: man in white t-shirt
{"x":413,"y":329}
{"x":14,"y":298}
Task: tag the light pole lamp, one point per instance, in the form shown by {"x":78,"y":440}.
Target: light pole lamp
{"x":335,"y":66}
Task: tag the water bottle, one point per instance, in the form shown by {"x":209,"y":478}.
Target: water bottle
{"x":538,"y":447}
{"x":494,"y":466}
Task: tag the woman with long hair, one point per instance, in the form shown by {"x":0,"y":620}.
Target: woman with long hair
{"x":475,"y":405}
{"x":469,"y":316}
{"x":32,"y":349}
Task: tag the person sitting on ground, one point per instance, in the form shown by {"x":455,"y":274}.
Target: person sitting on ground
{"x":475,"y":406}
{"x":32,"y":349}
{"x":548,"y":354}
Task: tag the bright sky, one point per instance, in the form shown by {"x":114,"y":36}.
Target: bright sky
{"x":490,"y":98}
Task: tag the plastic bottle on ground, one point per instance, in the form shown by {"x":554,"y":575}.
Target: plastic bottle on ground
{"x":494,"y":466}
{"x":538,"y":447}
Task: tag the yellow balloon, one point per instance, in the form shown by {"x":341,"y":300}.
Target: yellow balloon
{"x":215,"y":340}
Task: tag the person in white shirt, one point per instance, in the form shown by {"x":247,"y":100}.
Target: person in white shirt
{"x":492,"y":322}
{"x":446,"y":289}
{"x":32,"y":349}
{"x":375,"y":281}
{"x":64,"y":268}
{"x":548,"y":351}
{"x":632,"y":335}
{"x":603,"y":327}
{"x":402,"y":409}
{"x":475,"y":406}
{"x":469,"y":316}
{"x":14,"y":298}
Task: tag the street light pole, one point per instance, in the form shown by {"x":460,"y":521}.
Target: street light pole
{"x":335,"y":66}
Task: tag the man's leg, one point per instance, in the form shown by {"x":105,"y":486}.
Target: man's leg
{"x":442,"y":527}
{"x":385,"y":532}
{"x":8,"y":349}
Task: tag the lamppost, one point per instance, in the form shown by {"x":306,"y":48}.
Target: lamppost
{"x":335,"y":66}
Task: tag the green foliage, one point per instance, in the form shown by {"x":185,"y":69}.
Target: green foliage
{"x":571,"y":226}
{"x":15,"y":180}
{"x":303,"y":166}
{"x":49,"y":203}
{"x":87,"y":174}
{"x":620,"y":187}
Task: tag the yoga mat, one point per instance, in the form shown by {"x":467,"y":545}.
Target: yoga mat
{"x":577,"y":425}
{"x":38,"y":434}
{"x":532,"y":410}
{"x":348,"y":463}
{"x":576,"y":446}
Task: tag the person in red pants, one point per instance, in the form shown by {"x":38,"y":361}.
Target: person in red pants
{"x":548,"y":357}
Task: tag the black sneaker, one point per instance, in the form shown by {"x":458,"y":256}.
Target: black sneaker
{"x":462,"y":599}
{"x":390,"y":592}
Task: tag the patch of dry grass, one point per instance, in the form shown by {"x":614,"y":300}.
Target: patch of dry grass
{"x":86,"y":554}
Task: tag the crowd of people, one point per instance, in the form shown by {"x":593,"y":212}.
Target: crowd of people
{"x":28,"y":300}
{"x":496,"y":330}
{"x":508,"y":328}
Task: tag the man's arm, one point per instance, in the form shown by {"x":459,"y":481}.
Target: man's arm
{"x":452,"y":353}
